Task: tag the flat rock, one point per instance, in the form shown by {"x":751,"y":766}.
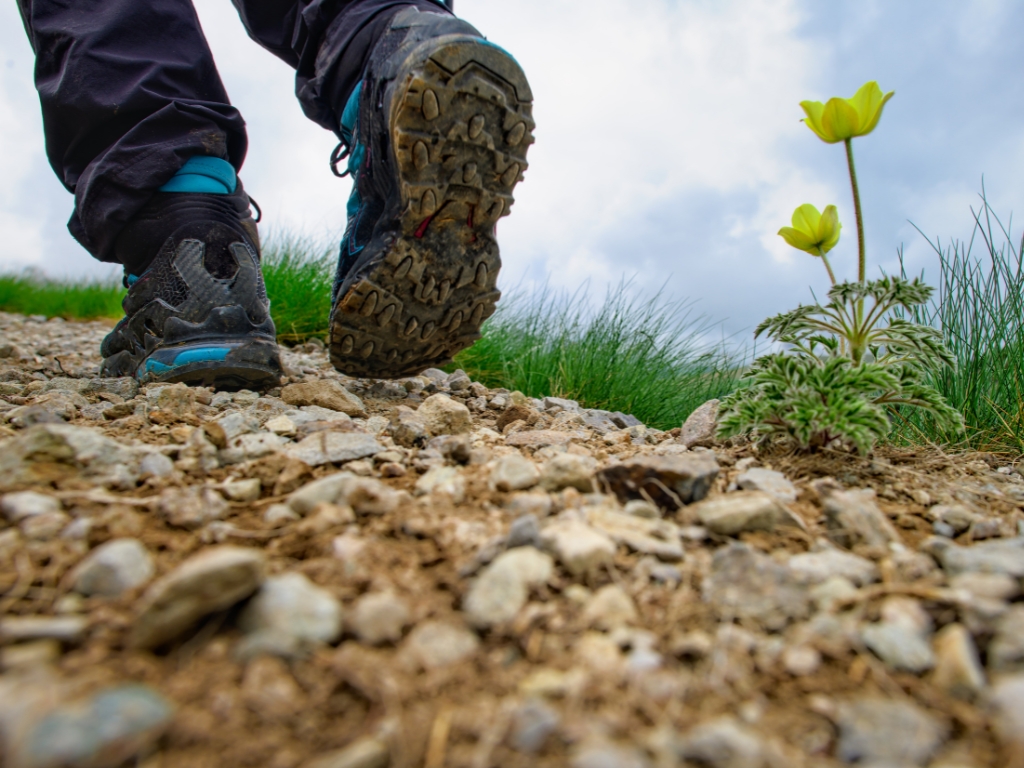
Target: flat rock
{"x":652,"y":536}
{"x":852,"y":517}
{"x":212,"y":580}
{"x":445,"y":480}
{"x":820,"y":566}
{"x":437,"y":644}
{"x":104,"y":730}
{"x":668,"y":481}
{"x":325,"y":393}
{"x":46,"y":452}
{"x":877,"y":731}
{"x":700,"y":426}
{"x":899,"y":646}
{"x":748,"y":585}
{"x":514,"y":473}
{"x":539,"y":438}
{"x":334,"y":448}
{"x":112,"y":568}
{"x":291,"y":604}
{"x":251,"y":446}
{"x":444,"y":416}
{"x":579,"y":548}
{"x":23,"y":504}
{"x":567,"y":470}
{"x":67,"y":629}
{"x":769,"y":481}
{"x":742,"y":511}
{"x":500,"y":592}
{"x":1002,"y":556}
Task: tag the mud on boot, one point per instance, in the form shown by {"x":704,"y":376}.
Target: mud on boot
{"x":438,"y":131}
{"x":198,"y":312}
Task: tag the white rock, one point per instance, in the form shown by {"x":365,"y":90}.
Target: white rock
{"x":514,"y":473}
{"x":279,"y":514}
{"x":435,"y":644}
{"x":212,"y":580}
{"x":817,"y":567}
{"x":17,"y":506}
{"x":610,"y":608}
{"x":379,"y":617}
{"x":44,"y":527}
{"x":247,"y":489}
{"x":502,"y":589}
{"x":445,"y":480}
{"x":293,"y":605}
{"x":281,"y":425}
{"x":156,"y":464}
{"x":567,"y":470}
{"x":741,"y":511}
{"x":641,"y":508}
{"x":334,"y":448}
{"x":113,"y":568}
{"x":578,"y":547}
{"x":444,"y":416}
{"x":251,"y":446}
{"x":191,"y":507}
{"x":326,"y":393}
{"x":769,"y":481}
{"x":646,"y":535}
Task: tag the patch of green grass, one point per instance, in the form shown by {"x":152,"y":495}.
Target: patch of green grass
{"x":647,"y":357}
{"x":979,"y":306}
{"x":299,"y":273}
{"x":31,"y":294}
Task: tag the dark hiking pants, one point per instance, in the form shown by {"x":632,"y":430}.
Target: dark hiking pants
{"x":129,"y":90}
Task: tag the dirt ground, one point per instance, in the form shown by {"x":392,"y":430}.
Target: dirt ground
{"x":699,"y":641}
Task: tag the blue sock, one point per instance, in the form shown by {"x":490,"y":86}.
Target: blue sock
{"x":204,"y":175}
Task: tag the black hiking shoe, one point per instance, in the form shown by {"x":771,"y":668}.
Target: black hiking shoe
{"x":197,"y":312}
{"x":437,"y":131}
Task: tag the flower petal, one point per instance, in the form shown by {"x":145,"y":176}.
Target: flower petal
{"x":806,"y":218}
{"x":868,"y":124}
{"x":840,"y":120}
{"x":813,"y":110}
{"x":797,"y":239}
{"x":828,"y":229}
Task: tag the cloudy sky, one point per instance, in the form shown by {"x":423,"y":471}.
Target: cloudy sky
{"x":669,"y":148}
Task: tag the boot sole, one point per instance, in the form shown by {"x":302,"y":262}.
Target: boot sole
{"x":224,"y":364}
{"x":460,"y":128}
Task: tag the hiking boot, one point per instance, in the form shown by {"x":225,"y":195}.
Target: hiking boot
{"x":436,"y":135}
{"x":197,"y":309}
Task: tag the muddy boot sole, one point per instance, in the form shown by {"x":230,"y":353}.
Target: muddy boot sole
{"x":460,"y":128}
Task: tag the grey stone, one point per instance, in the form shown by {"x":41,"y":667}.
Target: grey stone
{"x":498,"y":594}
{"x":67,"y":629}
{"x":579,"y":548}
{"x":524,"y":532}
{"x":436,"y":644}
{"x":533,"y":723}
{"x":956,"y":516}
{"x":366,"y":752}
{"x":533,"y":503}
{"x":899,"y":646}
{"x":23,"y":504}
{"x":454,"y":448}
{"x":514,"y":473}
{"x":769,"y":481}
{"x":104,"y":730}
{"x":332,"y":489}
{"x":212,"y":580}
{"x":700,"y":426}
{"x":191,"y":507}
{"x":229,"y":426}
{"x":568,"y":470}
{"x":748,"y":585}
{"x":742,"y":511}
{"x":1006,"y":651}
{"x":1005,"y":556}
{"x":174,"y":400}
{"x":242,"y":490}
{"x":407,"y":428}
{"x":458,"y":381}
{"x":379,"y":617}
{"x":326,"y":393}
{"x":112,"y":568}
{"x":668,"y":481}
{"x":645,"y":535}
{"x":852,"y":517}
{"x":828,"y":563}
{"x":443,"y":480}
{"x":335,"y":447}
{"x":33,"y":456}
{"x":722,"y":743}
{"x":958,"y":670}
{"x":292,"y":604}
{"x":444,"y":416}
{"x":252,"y":446}
{"x":540,"y":438}
{"x":155,"y":464}
{"x":1007,"y":701}
{"x":876,"y":731}
{"x":552,"y":403}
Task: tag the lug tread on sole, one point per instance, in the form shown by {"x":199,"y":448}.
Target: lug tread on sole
{"x":460,"y":138}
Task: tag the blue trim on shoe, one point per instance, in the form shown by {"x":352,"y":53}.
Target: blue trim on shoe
{"x":203,"y":175}
{"x":188,"y":357}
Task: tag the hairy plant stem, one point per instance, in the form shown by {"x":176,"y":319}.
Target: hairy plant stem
{"x":828,"y":266}
{"x":861,"y":259}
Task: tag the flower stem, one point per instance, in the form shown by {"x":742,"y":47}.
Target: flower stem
{"x":828,"y":266}
{"x":861,"y":261}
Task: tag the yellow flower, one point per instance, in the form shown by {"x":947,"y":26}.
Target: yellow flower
{"x":841,"y":119}
{"x":812,"y":231}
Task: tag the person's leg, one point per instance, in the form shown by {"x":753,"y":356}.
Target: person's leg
{"x":436,"y":123}
{"x":138,"y":125}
